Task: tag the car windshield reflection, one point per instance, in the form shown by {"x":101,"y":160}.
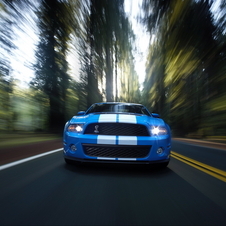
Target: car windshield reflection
{"x":118,"y":108}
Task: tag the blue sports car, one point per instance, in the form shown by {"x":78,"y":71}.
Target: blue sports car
{"x":117,"y":133}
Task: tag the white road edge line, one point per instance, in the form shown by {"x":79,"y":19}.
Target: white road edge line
{"x":28,"y":159}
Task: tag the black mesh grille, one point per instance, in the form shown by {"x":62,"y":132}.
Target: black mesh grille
{"x":120,"y":129}
{"x":116,"y":151}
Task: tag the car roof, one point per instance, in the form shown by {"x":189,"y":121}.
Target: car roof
{"x":118,"y":103}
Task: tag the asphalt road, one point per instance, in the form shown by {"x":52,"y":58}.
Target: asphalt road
{"x":46,"y":191}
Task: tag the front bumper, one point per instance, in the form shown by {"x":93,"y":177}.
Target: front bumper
{"x":153,"y":142}
{"x":104,"y":161}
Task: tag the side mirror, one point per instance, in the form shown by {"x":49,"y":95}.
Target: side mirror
{"x":81,"y":113}
{"x":155,"y":115}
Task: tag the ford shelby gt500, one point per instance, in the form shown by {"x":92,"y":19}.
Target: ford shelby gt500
{"x":118,"y":133}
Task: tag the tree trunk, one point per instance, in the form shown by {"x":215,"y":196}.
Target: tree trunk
{"x":109,"y":75}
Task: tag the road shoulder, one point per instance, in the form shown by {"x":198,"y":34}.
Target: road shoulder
{"x":14,"y":153}
{"x":203,"y":143}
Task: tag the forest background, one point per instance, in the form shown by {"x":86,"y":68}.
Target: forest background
{"x":185,"y":66}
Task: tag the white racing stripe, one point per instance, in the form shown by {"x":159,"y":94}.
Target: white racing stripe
{"x":121,"y":118}
{"x":104,"y":139}
{"x":28,"y":159}
{"x":120,"y":159}
{"x":106,"y":158}
{"x":122,"y":140}
{"x":127,"y":159}
{"x":127,"y":140}
{"x":127,"y":118}
{"x":107,"y":118}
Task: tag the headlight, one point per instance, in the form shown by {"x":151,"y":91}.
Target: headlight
{"x":158,"y":130}
{"x":76,"y":128}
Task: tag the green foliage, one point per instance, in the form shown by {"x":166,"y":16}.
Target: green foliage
{"x":22,"y":109}
{"x":109,"y":39}
{"x":5,"y":106}
{"x":72,"y":101}
{"x":8,"y":15}
{"x":30,"y":109}
{"x":185,"y":67}
{"x":51,"y":67}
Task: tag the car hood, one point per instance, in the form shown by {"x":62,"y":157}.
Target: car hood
{"x":117,"y":118}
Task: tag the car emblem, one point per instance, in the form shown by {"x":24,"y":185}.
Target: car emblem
{"x":96,"y":129}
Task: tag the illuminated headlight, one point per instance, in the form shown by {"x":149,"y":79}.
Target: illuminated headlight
{"x":76,"y":128}
{"x":159,"y":130}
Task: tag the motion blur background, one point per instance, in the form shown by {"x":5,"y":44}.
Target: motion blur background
{"x":59,"y":56}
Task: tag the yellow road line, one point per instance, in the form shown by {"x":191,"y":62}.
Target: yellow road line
{"x":220,"y":174}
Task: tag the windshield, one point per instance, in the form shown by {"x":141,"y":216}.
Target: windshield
{"x":118,"y":108}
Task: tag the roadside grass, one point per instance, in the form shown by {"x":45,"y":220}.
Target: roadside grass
{"x":16,"y":139}
{"x":218,"y":139}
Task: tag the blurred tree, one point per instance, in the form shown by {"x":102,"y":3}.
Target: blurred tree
{"x":11,"y":16}
{"x":107,"y":20}
{"x":89,"y":77}
{"x":105,"y":43}
{"x":30,"y":109}
{"x":216,"y":105}
{"x":128,"y":87}
{"x":189,"y":58}
{"x":180,"y":62}
{"x":5,"y":81}
{"x":154,"y":92}
{"x":55,"y":24}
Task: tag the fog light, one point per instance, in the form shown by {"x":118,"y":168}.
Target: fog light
{"x":159,"y":151}
{"x":73,"y":147}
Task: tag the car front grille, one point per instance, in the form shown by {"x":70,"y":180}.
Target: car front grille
{"x":120,"y":129}
{"x":117,"y":151}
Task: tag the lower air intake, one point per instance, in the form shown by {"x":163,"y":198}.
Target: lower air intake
{"x":119,"y":151}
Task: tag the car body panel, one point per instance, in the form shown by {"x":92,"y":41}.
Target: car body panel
{"x":122,"y":145}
